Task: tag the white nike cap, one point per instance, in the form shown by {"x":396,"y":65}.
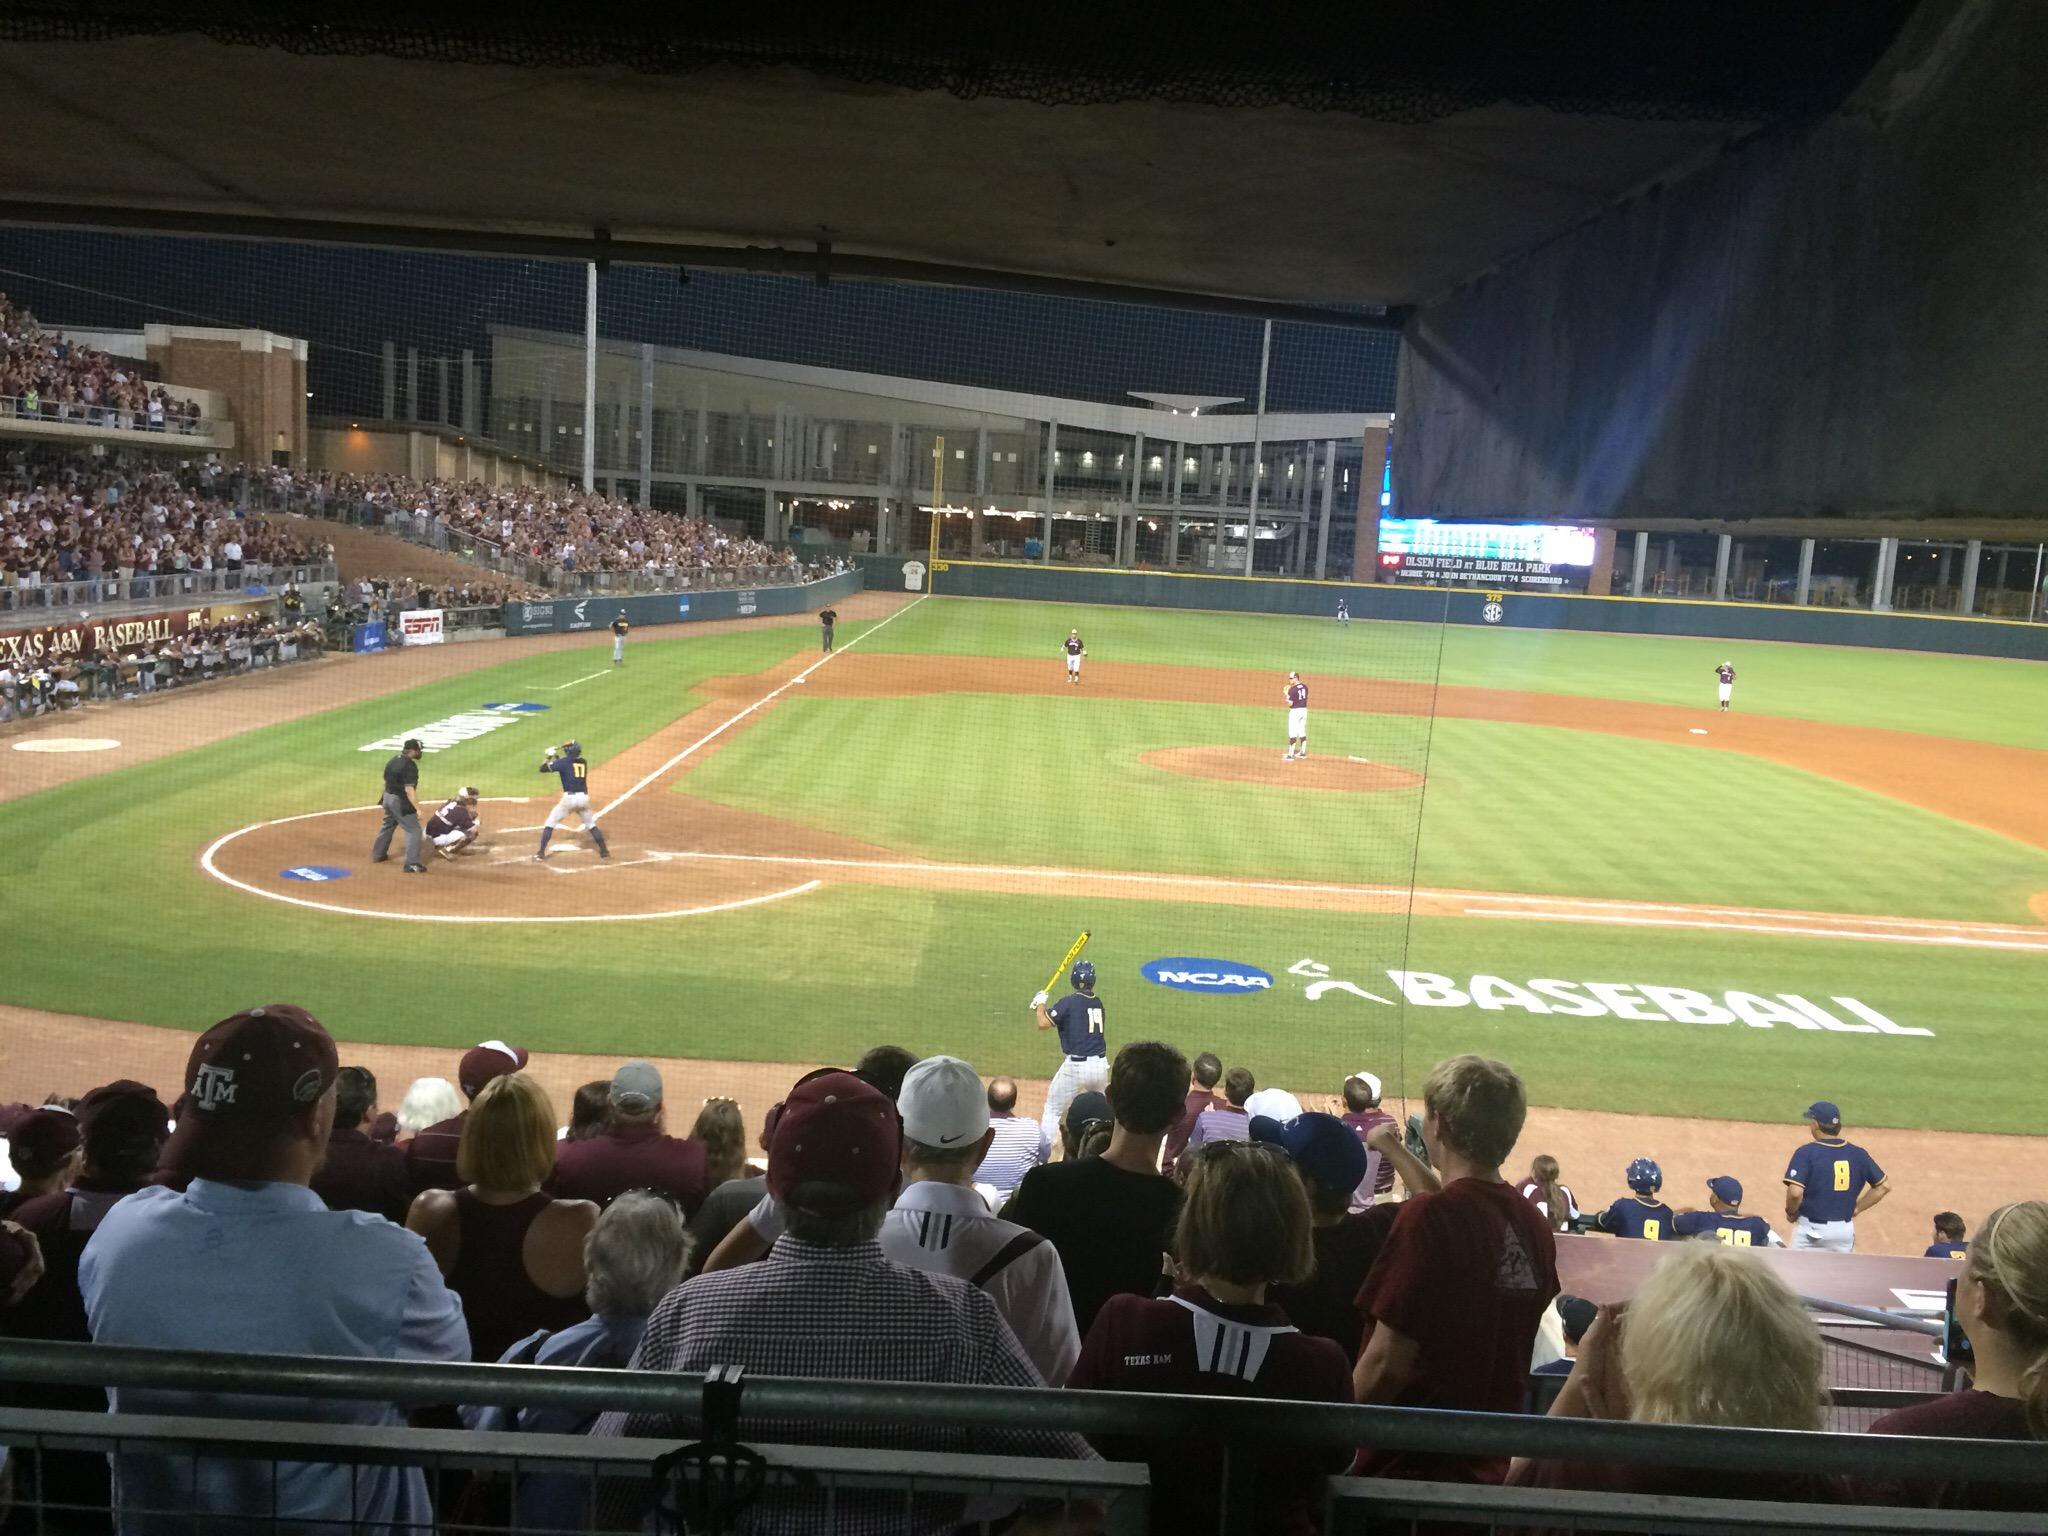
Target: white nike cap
{"x":1274,"y":1103}
{"x":943,"y":1103}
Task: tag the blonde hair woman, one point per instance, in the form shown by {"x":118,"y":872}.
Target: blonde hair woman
{"x":2002,"y":1309}
{"x":723,"y":1134}
{"x":510,"y":1250}
{"x":1244,"y":1225}
{"x":1713,"y":1336}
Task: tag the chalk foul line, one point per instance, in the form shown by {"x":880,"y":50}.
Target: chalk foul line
{"x":572,"y":683}
{"x":766,"y":699}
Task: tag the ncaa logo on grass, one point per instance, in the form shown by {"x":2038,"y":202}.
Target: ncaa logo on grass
{"x":1189,"y":973}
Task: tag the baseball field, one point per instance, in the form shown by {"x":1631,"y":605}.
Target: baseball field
{"x":1549,"y":847}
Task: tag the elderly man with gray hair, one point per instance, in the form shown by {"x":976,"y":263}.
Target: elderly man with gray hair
{"x":635,"y":1255}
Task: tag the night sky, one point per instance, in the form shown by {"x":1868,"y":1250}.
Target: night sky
{"x":347,"y":302}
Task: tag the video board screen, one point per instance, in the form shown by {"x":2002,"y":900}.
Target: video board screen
{"x":1527,"y":556}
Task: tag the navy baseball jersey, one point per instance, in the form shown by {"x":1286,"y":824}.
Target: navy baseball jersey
{"x":574,"y":773}
{"x":1074,"y":646}
{"x":1947,"y":1251}
{"x":1342,"y":611}
{"x":1631,"y":1216}
{"x":620,"y":626}
{"x":1297,"y":695}
{"x":1725,"y":672}
{"x":1732,"y":1231}
{"x":1078,"y":1018}
{"x":1832,"y":1173}
{"x":400,"y":775}
{"x":452,"y":817}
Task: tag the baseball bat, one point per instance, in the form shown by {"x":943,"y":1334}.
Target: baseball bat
{"x":1060,"y":969}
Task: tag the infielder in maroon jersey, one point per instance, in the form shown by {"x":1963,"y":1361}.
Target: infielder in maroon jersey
{"x":1297,"y":718}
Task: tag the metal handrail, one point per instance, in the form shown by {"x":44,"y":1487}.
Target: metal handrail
{"x":101,"y":416}
{"x":108,"y":590}
{"x":1902,"y":1321}
{"x":1229,"y":1421}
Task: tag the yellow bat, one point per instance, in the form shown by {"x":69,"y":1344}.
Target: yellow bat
{"x":1060,"y":969}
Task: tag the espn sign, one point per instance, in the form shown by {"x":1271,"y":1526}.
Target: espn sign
{"x":421,"y":626}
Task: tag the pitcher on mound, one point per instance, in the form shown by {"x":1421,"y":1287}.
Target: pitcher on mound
{"x":1078,"y":1018}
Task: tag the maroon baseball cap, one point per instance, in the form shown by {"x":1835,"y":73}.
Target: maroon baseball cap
{"x":121,"y":1111}
{"x":838,"y":1142}
{"x":42,"y":1140}
{"x":494,"y":1058}
{"x":250,"y":1078}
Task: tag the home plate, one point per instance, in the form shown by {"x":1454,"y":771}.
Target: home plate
{"x":1699,"y":730}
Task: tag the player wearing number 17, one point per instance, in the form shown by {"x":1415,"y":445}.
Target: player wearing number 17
{"x":566,"y":763}
{"x":1078,"y":1018}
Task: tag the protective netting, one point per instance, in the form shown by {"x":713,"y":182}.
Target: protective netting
{"x":1398,"y":61}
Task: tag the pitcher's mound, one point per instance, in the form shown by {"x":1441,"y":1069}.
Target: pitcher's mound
{"x":1262,"y":765}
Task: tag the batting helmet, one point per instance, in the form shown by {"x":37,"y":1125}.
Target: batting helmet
{"x":1084,"y":975}
{"x":1645,"y":1177}
{"x":572,"y":749}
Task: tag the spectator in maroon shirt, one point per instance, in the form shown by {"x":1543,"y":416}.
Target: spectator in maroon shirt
{"x":633,"y":1151}
{"x":430,"y":1155}
{"x":359,"y":1174}
{"x":45,"y":1148}
{"x":1362,"y":1112}
{"x":1712,"y":1337}
{"x":1331,"y":1162}
{"x":1208,"y":1072}
{"x":1244,"y":1227}
{"x":509,"y":1249}
{"x":2002,"y":1309}
{"x":1455,"y":1298}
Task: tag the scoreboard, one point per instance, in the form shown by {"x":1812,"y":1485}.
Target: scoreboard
{"x":1528,"y":557}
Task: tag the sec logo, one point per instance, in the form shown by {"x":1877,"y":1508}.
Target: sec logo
{"x":1493,"y":613}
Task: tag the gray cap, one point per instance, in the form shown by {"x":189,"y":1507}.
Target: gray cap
{"x":636,"y":1089}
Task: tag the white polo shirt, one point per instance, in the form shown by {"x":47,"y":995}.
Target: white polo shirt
{"x":947,"y":1229}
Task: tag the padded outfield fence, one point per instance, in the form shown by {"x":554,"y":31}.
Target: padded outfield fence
{"x":731,"y":1416}
{"x":1225,"y":593}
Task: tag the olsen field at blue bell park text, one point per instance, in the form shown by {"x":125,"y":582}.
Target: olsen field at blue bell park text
{"x":1551,"y":847}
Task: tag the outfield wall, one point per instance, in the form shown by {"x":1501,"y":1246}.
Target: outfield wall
{"x":1434,"y":605}
{"x":567,"y":615}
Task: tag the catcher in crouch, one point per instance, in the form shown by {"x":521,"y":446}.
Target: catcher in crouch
{"x":455,"y":826}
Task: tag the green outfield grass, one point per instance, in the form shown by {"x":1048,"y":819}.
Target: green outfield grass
{"x":1969,"y":697}
{"x":114,"y":917}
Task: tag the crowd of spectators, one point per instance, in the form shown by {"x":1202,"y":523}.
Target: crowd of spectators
{"x":907,"y":1225}
{"x":70,"y":520}
{"x":46,"y":376}
{"x":204,"y":652}
{"x":565,"y":531}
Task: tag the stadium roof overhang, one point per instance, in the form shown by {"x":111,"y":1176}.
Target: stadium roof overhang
{"x":1377,"y":155}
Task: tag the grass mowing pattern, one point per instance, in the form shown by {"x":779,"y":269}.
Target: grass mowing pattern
{"x":126,"y":925}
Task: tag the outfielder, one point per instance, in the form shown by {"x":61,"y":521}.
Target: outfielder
{"x":619,"y":630}
{"x":1297,"y":718}
{"x":1343,"y":613}
{"x":1078,"y":1018}
{"x":1726,"y":684}
{"x":455,"y":826}
{"x":1075,"y":651}
{"x":566,"y":763}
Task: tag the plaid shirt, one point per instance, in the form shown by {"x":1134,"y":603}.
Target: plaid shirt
{"x":848,"y":1313}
